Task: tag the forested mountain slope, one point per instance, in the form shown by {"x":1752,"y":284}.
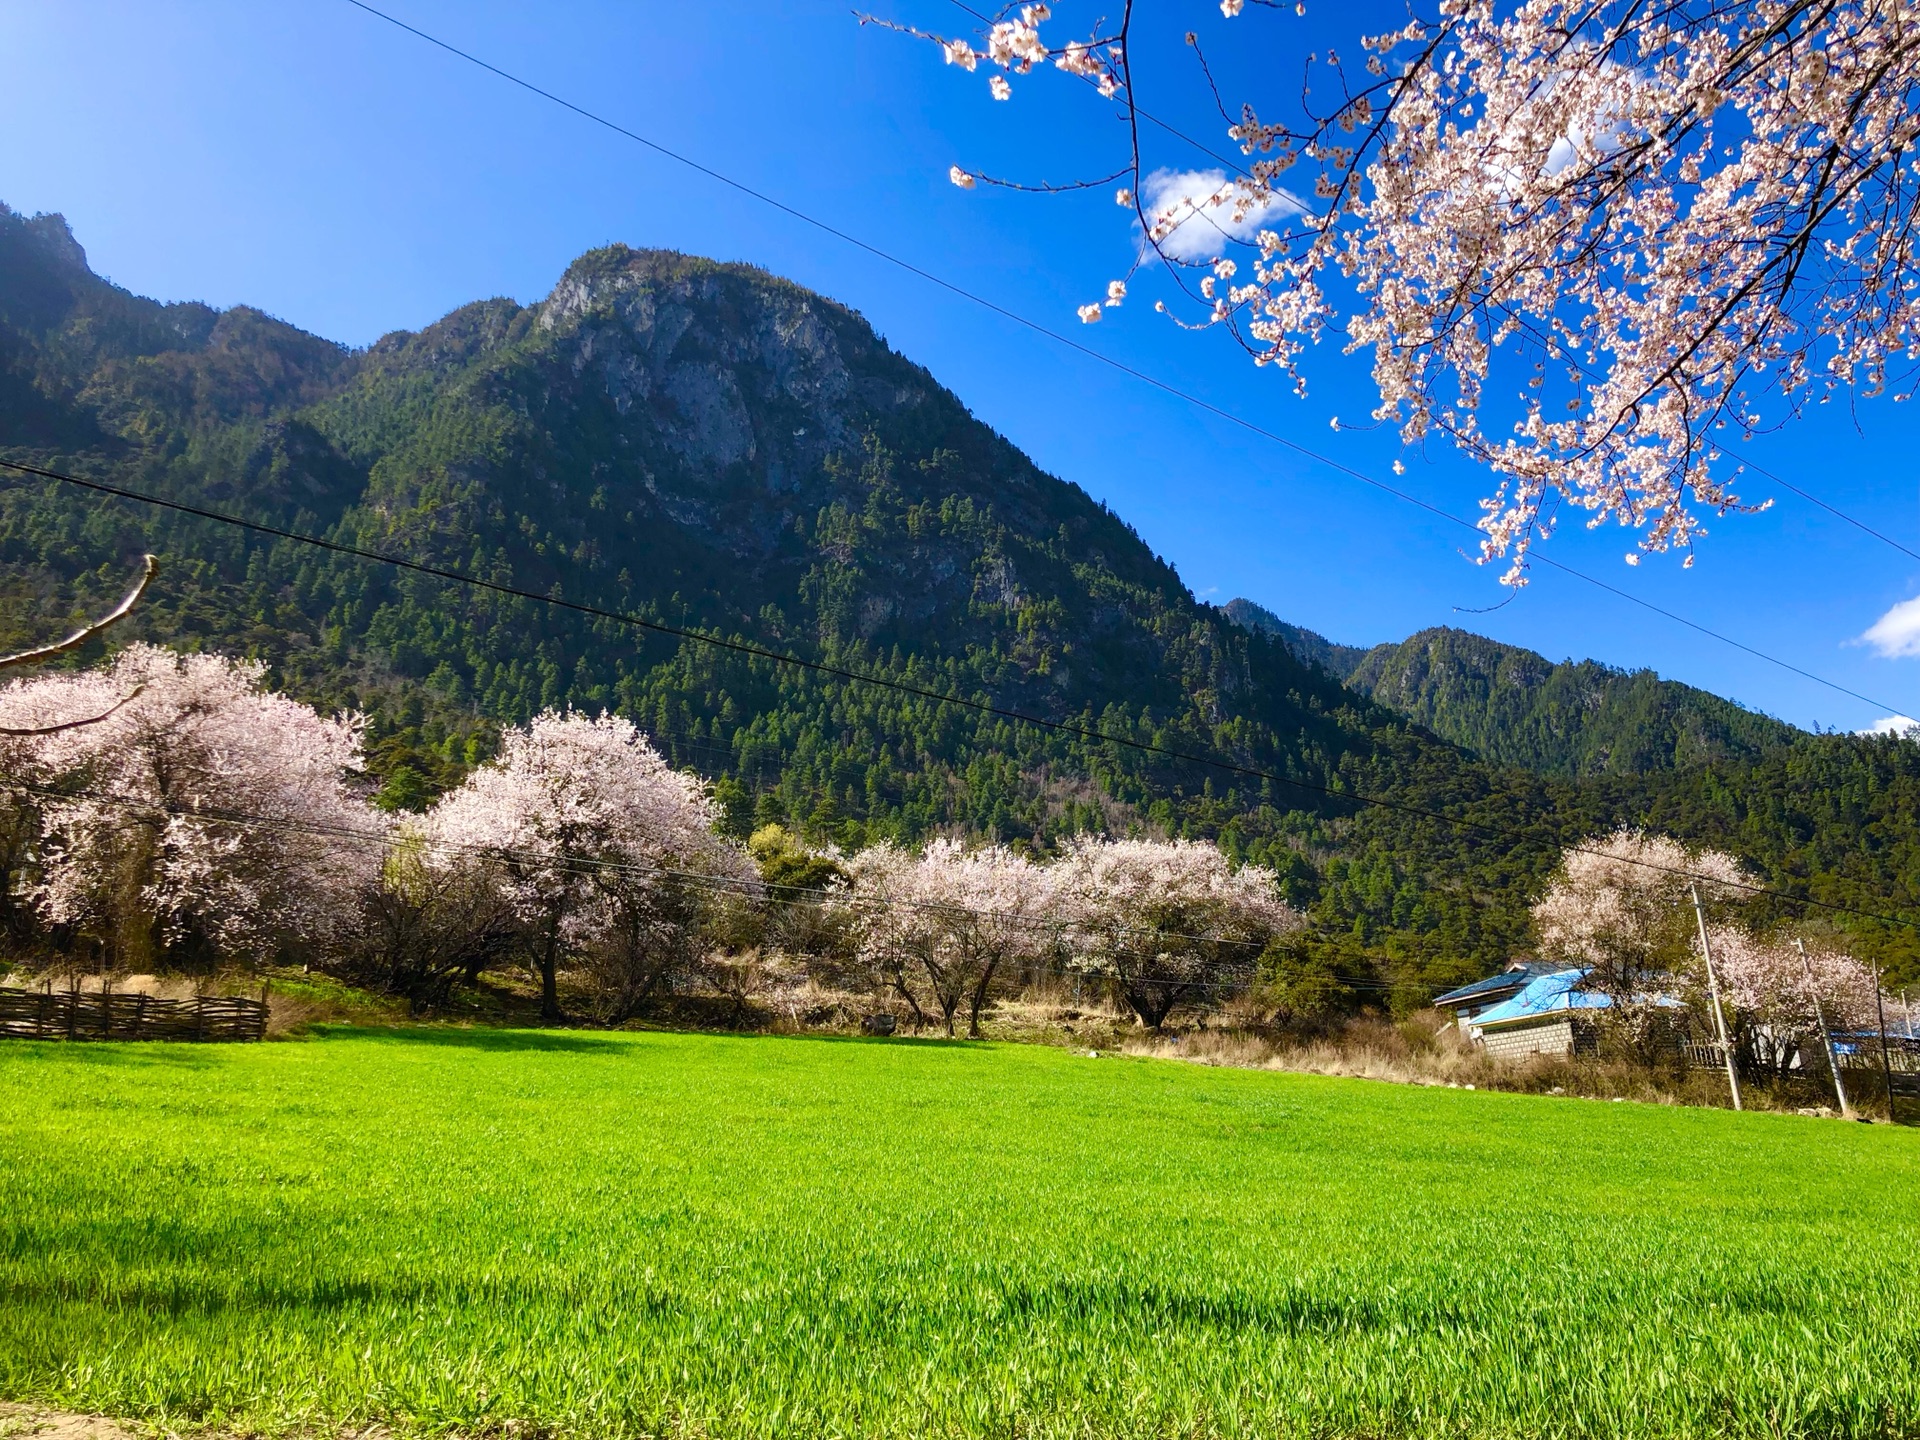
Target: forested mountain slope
{"x":1336,"y":659}
{"x":1515,"y":707}
{"x":712,"y":447}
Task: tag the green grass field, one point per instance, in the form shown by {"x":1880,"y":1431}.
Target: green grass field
{"x":626,"y":1234}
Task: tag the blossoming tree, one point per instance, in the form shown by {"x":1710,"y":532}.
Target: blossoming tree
{"x":947,"y":919}
{"x":1780,"y":996}
{"x":1621,"y":907}
{"x":198,"y":817}
{"x":1165,"y":920}
{"x":604,"y":851}
{"x":1587,"y":242}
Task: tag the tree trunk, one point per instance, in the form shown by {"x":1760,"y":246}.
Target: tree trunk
{"x":1152,"y":1003}
{"x":940,"y":980}
{"x":549,"y":963}
{"x":549,"y":994}
{"x":899,"y":982}
{"x":978,"y":1002}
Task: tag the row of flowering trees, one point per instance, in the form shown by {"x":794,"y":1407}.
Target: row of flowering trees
{"x":197,"y":820}
{"x":1162,"y":922}
{"x":1623,"y":908}
{"x":200,"y":820}
{"x":206,"y":821}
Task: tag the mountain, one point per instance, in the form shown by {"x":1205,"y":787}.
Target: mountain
{"x":708,"y":447}
{"x":1515,"y":707}
{"x":702,"y":445}
{"x":1336,"y":659}
{"x":1573,"y":718}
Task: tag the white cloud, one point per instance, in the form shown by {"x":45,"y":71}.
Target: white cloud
{"x":1203,"y":227}
{"x":1896,"y":634}
{"x":1894,"y":725}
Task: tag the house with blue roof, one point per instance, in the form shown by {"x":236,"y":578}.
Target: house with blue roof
{"x":1550,"y":1015}
{"x":1471,"y":1001}
{"x":1548,"y":1012}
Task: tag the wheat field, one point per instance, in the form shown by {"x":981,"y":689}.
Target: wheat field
{"x":469,"y":1231}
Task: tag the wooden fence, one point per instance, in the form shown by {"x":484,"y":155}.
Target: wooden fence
{"x":49,"y":1014}
{"x":1858,"y":1055}
{"x":1861,"y":1053}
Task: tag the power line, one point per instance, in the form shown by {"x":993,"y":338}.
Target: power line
{"x":1085,"y":732}
{"x":1060,"y":338}
{"x":1813,"y":499}
{"x":1242,"y":173}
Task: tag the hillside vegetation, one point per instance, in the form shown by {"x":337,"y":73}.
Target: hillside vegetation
{"x":1513,"y":706}
{"x":471,"y":1232}
{"x":715,"y":448}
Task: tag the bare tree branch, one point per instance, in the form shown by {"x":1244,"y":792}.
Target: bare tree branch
{"x":74,"y":642}
{"x":86,"y":632}
{"x":55,"y":729}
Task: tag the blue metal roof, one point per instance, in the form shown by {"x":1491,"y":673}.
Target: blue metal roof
{"x":1545,"y":995}
{"x":1506,"y":980}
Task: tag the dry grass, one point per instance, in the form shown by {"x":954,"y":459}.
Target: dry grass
{"x":1426,"y":1049}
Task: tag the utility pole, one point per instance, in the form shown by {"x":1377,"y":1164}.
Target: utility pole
{"x":1886,"y":1061}
{"x":1713,"y":989}
{"x":1826,"y":1040}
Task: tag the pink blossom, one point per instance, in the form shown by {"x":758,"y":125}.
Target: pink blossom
{"x":1164,"y":920}
{"x":1580,"y":242}
{"x":586,"y":829}
{"x":1767,"y":980}
{"x":1620,"y":906}
{"x":208,"y":819}
{"x":943,"y":923}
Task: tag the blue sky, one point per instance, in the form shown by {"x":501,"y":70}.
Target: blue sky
{"x":312,"y":161}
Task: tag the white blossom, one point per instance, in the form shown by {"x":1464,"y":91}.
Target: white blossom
{"x":1693,"y":219}
{"x":1165,"y":921}
{"x":590,"y":833}
{"x":207,"y":820}
{"x":941,"y":924}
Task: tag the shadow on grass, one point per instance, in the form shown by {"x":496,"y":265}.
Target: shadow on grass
{"x":125,"y":1054}
{"x":502,"y":1039}
{"x":927,"y":1040}
{"x":475,"y":1038}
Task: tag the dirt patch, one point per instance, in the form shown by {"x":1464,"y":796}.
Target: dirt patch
{"x":18,"y":1422}
{"x":38,"y":1422}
